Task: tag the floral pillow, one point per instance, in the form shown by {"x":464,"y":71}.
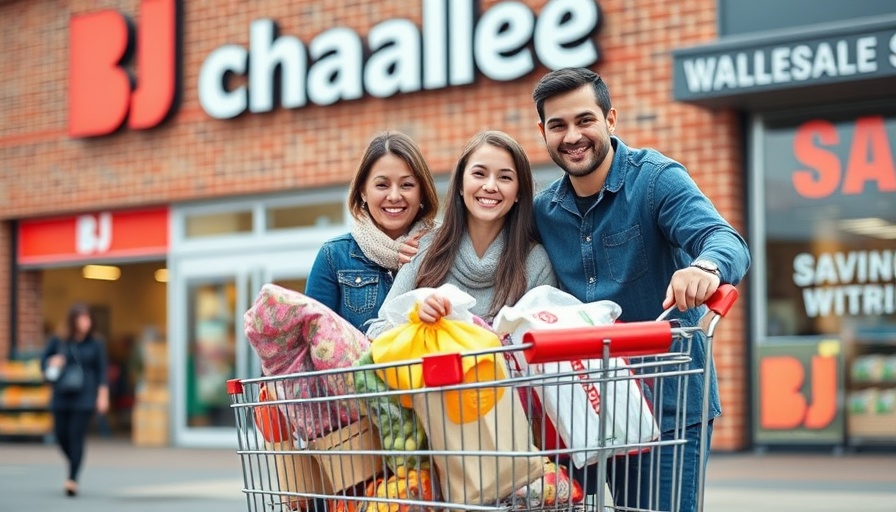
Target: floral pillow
{"x":293,"y":333}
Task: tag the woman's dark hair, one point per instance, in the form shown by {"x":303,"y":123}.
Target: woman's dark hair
{"x":403,"y":147}
{"x":569,"y":79}
{"x":511,"y":280}
{"x":71,"y":324}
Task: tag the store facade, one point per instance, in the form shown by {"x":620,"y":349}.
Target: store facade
{"x":815,"y":92}
{"x":244,"y":122}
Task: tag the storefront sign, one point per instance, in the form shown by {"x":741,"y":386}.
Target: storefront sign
{"x":847,"y":283}
{"x":506,"y":42}
{"x":100,"y":91}
{"x":840,"y":161}
{"x":843,"y":160}
{"x":800,"y":383}
{"x":103,"y":235}
{"x":726,"y":69}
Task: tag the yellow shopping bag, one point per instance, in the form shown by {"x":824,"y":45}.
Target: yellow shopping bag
{"x":452,"y":334}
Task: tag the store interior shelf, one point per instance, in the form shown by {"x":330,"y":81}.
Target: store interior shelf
{"x":24,"y":400}
{"x":871,"y":389}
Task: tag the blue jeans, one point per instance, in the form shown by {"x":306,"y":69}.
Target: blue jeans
{"x":647,"y":480}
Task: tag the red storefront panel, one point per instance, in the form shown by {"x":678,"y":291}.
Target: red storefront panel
{"x":119,"y":234}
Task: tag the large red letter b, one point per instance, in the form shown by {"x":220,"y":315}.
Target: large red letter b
{"x":100,"y":95}
{"x":99,"y":91}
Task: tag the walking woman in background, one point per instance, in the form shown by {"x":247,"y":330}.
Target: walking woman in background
{"x":76,"y":365}
{"x":393,"y":201}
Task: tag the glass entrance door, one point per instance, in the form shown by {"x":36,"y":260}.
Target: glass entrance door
{"x":209,"y":345}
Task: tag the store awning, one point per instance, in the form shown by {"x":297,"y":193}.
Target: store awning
{"x":829,"y":62}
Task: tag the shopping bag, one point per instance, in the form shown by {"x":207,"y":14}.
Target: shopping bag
{"x":295,"y":334}
{"x":484,"y":418}
{"x":570,"y":390}
{"x":468,"y":475}
{"x":295,"y":472}
{"x":455,"y":333}
{"x":546,"y":307}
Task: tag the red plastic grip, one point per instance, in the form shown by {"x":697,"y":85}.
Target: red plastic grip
{"x":442,"y":369}
{"x":626,"y":339}
{"x":722,"y":300}
{"x":234,"y":387}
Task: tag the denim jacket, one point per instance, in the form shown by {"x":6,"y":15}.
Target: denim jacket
{"x":648,"y":221}
{"x":346,"y":281}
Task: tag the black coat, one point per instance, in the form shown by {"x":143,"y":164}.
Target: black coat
{"x":94,"y":362}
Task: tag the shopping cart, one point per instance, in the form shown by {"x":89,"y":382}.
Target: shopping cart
{"x":565,"y":419}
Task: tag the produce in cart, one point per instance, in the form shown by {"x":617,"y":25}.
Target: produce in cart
{"x":398,"y":426}
{"x":555,"y":488}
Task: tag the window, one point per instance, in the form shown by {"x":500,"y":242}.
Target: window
{"x":308,"y":215}
{"x":830,"y":222}
{"x":215,"y":224}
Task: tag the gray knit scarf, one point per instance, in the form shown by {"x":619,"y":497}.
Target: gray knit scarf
{"x":378,"y":246}
{"x":473,"y":271}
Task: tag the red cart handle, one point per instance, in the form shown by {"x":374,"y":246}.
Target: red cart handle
{"x":627,"y":339}
{"x":722,"y":300}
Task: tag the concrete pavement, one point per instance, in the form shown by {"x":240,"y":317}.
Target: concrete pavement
{"x":120,"y":477}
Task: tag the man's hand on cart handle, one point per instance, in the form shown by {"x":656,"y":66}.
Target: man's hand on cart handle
{"x":690,"y":287}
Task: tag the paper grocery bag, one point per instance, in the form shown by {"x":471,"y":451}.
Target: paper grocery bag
{"x":470,"y":477}
{"x":343,"y":471}
{"x":295,"y":472}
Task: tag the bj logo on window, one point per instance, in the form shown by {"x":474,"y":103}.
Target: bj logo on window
{"x":119,"y":72}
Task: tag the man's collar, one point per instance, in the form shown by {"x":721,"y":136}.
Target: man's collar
{"x":616,"y":176}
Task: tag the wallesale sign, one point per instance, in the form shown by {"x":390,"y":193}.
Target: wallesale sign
{"x":455,"y":40}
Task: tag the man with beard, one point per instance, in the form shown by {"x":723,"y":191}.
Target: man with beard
{"x":631,"y":226}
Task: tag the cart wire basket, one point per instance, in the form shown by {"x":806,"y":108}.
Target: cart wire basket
{"x":588,"y":418}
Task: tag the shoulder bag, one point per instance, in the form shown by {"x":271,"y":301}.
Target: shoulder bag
{"x":72,"y":379}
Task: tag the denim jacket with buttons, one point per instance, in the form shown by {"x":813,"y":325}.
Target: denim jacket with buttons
{"x":649,"y":220}
{"x":348,"y":282}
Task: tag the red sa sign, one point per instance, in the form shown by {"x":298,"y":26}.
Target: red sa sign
{"x":100,"y":91}
{"x":818,"y":145}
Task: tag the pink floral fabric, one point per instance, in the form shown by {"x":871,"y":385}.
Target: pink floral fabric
{"x":293,"y":333}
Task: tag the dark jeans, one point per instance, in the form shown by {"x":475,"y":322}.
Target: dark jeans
{"x":70,"y":428}
{"x":649,"y":479}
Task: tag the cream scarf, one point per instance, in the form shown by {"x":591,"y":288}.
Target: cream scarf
{"x":378,"y":246}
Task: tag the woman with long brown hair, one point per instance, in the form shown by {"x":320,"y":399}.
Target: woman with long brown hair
{"x":76,"y":399}
{"x":487,"y":244}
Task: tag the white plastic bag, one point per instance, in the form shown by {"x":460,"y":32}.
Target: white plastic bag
{"x":545,"y":307}
{"x":567,"y":397}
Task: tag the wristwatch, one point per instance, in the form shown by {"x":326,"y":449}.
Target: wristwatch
{"x":707,"y":266}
